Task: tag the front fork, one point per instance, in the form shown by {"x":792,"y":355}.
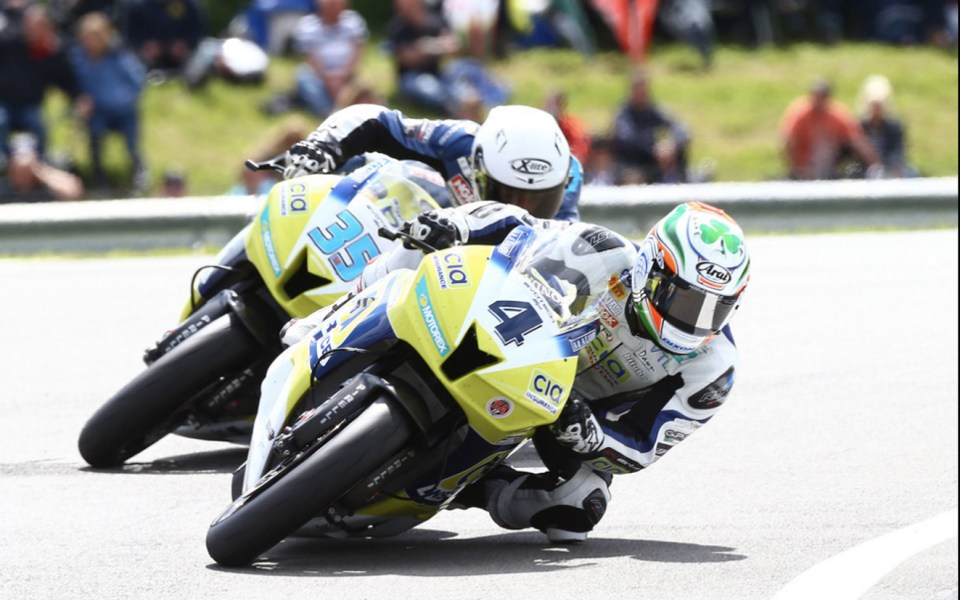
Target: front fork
{"x":261,"y":325}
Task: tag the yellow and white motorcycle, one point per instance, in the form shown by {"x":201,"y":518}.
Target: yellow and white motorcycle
{"x":406,"y":394}
{"x":304,"y":249}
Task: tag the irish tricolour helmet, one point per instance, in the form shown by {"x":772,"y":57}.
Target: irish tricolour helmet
{"x":689,"y":277}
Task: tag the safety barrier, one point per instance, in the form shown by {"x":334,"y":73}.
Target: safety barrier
{"x":145,"y":224}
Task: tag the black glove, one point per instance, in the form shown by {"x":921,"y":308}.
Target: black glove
{"x":309,"y":158}
{"x":577,"y":428}
{"x":437,"y":230}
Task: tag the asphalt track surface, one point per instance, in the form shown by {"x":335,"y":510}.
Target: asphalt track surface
{"x":842,"y":430}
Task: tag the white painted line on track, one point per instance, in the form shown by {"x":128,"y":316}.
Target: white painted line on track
{"x":851,"y":574}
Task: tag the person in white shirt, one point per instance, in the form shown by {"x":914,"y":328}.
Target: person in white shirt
{"x":331,"y":42}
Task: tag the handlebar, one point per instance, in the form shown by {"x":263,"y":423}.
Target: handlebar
{"x":277,"y":163}
{"x":389,"y":234}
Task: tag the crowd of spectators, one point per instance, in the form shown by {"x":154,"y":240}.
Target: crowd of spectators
{"x":102,"y":54}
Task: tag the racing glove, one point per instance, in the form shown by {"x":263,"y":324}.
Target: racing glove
{"x":437,"y":229}
{"x":309,"y":157}
{"x":577,"y":428}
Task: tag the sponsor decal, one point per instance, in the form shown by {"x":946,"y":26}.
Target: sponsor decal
{"x":612,"y":306}
{"x":430,"y":318}
{"x":662,"y":449}
{"x":451,"y":271}
{"x":542,"y":387}
{"x":713,"y":275}
{"x":617,"y":290}
{"x":294,"y":202}
{"x":446,"y":137}
{"x":426,"y":130}
{"x":499,"y":408}
{"x":607,"y":318}
{"x":583,"y":340}
{"x":614,"y":457}
{"x":632,"y":363}
{"x":511,"y":440}
{"x":433,"y":494}
{"x":601,"y":240}
{"x":598,"y":350}
{"x":672,"y":436}
{"x":604,"y":466}
{"x":531,"y":166}
{"x":676,"y":348}
{"x":714,"y":394}
{"x":642,"y":355}
{"x":267,"y":238}
{"x":616,"y":370}
{"x":462,"y":189}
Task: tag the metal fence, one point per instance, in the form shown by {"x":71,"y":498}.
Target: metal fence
{"x":145,"y":224}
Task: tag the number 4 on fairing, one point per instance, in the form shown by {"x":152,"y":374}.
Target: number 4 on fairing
{"x":517,"y":319}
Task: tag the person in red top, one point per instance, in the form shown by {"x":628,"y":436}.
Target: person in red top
{"x":817,"y":131}
{"x":573,"y":128}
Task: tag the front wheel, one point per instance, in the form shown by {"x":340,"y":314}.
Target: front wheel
{"x":266,"y":515}
{"x":156,"y":401}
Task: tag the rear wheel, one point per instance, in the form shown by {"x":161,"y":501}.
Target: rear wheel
{"x":158,"y":399}
{"x":294,"y":493}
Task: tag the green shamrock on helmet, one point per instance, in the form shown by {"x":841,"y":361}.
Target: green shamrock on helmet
{"x":716,"y":230}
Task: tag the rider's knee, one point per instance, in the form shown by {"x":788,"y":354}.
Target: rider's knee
{"x":547,"y":503}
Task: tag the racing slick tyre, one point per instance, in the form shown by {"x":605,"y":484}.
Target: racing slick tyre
{"x":283,"y":503}
{"x":157,"y":400}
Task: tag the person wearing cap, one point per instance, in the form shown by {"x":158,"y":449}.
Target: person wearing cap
{"x":885,"y":131}
{"x":817,"y":131}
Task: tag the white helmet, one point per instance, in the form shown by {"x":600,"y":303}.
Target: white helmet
{"x":521,"y":157}
{"x":690,"y":275}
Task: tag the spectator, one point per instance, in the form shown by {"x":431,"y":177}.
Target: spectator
{"x":885,"y":132}
{"x":573,"y":128}
{"x":817,"y":132}
{"x":271,"y":23}
{"x":111,"y":79}
{"x":32,"y":57}
{"x":164,"y":33}
{"x":601,"y":171}
{"x":331,"y":42}
{"x":476,"y":22}
{"x":30,"y":179}
{"x":639,"y":126}
{"x":420,"y":41}
{"x":72,"y":11}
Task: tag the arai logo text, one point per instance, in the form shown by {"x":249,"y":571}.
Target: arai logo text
{"x":713,"y":274}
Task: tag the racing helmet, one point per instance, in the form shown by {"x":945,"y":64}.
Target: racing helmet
{"x":689,"y":277}
{"x":521,"y":157}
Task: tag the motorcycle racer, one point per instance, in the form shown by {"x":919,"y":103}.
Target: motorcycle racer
{"x":518,"y":155}
{"x":661,"y":366}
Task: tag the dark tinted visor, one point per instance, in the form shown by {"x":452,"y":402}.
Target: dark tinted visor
{"x":687,"y":308}
{"x":543,"y":204}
